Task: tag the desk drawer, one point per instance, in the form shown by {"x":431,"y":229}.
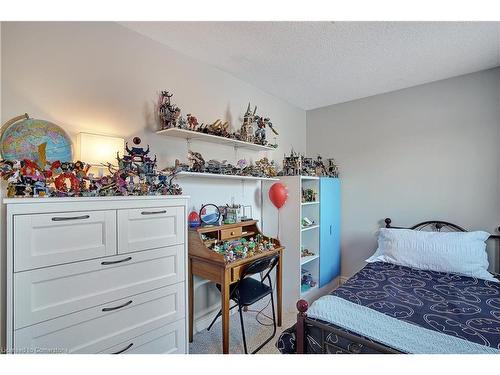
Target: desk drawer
{"x":150,"y":228}
{"x":236,"y":272}
{"x":230,"y":233}
{"x":50,"y":239}
{"x":169,"y":339}
{"x":93,"y":330}
{"x":47,"y":293}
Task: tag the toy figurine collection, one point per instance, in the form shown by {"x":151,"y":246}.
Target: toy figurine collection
{"x":299,"y":165}
{"x":196,"y":163}
{"x":307,"y":280}
{"x":136,"y":174}
{"x":238,"y":249}
{"x":306,"y":253}
{"x":308,"y":195}
{"x":293,"y":165}
{"x":252,"y":130}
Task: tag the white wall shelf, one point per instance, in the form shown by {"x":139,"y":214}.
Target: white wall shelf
{"x":310,"y":227}
{"x":184,"y":174}
{"x":307,"y":259}
{"x":192,"y":135}
{"x":309,"y":203}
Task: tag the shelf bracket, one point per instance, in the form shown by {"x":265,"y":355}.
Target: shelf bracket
{"x":235,"y":148}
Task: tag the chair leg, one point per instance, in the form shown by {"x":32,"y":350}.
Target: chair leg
{"x":243,"y":330}
{"x":213,"y":321}
{"x":218,"y":314}
{"x":274,"y":327}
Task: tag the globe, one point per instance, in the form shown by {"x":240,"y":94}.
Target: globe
{"x":21,"y":139}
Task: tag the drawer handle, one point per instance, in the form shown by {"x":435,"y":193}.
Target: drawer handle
{"x":124,"y":349}
{"x":105,"y":309}
{"x":107,"y":263}
{"x":71,"y":218}
{"x":153,"y":212}
{"x":232,"y":233}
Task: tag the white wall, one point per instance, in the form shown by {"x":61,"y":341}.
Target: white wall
{"x":104,"y":78}
{"x":427,"y":152}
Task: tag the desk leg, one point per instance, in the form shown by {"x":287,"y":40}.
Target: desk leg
{"x":225,"y":311}
{"x":191,"y":299}
{"x":279,"y":287}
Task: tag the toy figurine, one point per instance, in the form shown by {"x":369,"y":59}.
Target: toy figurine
{"x":308,"y":195}
{"x":218,"y":128}
{"x":267,"y":169}
{"x":307,"y":279}
{"x":291,"y":165}
{"x":136,"y":154}
{"x":192,"y":122}
{"x":241,"y":164}
{"x":196,"y":162}
{"x":246,"y":130}
{"x":306,"y":222}
{"x":332,"y":168}
{"x":181,"y":123}
{"x":167,"y":113}
{"x":260,"y":133}
{"x":306,"y":253}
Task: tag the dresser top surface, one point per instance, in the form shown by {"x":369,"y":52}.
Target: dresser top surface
{"x":91,"y":199}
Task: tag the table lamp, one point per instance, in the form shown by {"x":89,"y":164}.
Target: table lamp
{"x":98,"y":150}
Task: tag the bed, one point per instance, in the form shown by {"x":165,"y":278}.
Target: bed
{"x":390,"y":308}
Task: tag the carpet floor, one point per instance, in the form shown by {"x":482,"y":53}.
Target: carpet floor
{"x":210,"y":342}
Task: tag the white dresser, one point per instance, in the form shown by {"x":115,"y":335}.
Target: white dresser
{"x":96,"y":275}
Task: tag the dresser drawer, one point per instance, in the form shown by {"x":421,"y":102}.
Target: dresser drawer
{"x":150,"y":228}
{"x":49,"y":239}
{"x":47,"y":293}
{"x":230,"y":233}
{"x":169,"y":339}
{"x":94,"y":330}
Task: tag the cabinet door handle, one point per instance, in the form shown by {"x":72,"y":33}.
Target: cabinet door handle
{"x":105,"y":309}
{"x":153,"y":212}
{"x":330,"y":229}
{"x":124,"y":349}
{"x":109,"y":262}
{"x":71,"y":218}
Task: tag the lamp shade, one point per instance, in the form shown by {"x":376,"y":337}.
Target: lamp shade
{"x":95,"y":149}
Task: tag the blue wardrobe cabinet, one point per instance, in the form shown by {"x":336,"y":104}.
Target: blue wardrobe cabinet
{"x":329,"y":237}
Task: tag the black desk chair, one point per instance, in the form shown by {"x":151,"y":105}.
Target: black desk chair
{"x":248,"y":290}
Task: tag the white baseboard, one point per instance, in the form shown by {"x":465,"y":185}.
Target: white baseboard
{"x":203,"y":320}
{"x":343,"y":279}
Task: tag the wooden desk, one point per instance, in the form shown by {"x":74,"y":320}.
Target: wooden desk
{"x":208,"y":264}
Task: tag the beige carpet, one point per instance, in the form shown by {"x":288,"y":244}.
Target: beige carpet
{"x":210,"y":342}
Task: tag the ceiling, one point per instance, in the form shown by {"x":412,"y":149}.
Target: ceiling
{"x":315,"y":64}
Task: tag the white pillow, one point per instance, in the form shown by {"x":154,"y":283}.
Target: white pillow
{"x":456,"y":252}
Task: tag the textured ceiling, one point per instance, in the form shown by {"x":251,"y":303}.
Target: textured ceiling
{"x":314,"y":64}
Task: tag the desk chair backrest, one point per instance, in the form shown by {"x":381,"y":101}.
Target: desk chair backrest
{"x":261,"y":265}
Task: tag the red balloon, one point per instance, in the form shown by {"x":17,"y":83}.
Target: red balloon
{"x":278,"y":194}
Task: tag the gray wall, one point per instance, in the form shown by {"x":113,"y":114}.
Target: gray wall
{"x":427,"y":152}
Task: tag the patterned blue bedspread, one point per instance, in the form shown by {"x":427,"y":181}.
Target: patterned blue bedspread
{"x":456,"y":305}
